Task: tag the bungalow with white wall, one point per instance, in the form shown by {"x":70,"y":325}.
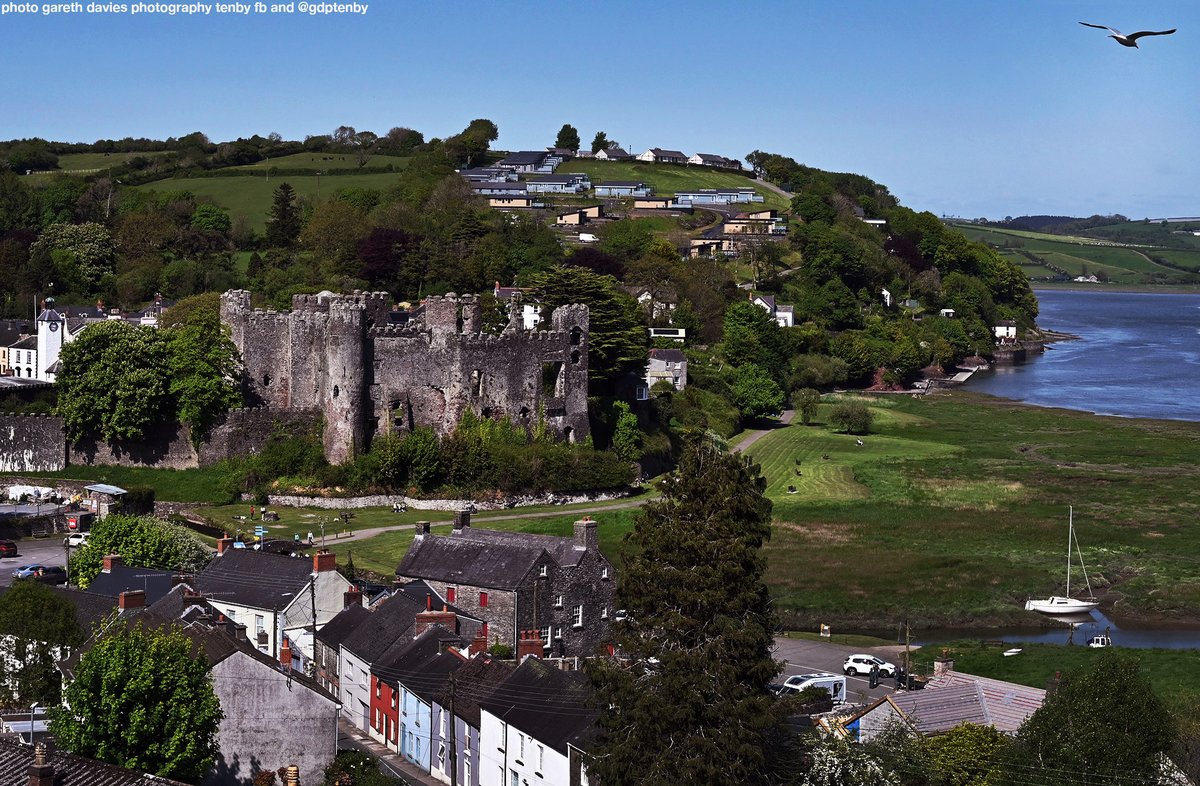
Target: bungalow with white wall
{"x":656,"y":155}
{"x":1005,"y":331}
{"x":572,"y":183}
{"x":622,"y":188}
{"x":718,"y":196}
{"x":783,"y":313}
{"x":719,"y":162}
{"x":613,"y":153}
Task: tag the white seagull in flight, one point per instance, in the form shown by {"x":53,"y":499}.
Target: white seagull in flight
{"x":1127,"y":40}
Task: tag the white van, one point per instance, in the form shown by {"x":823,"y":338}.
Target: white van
{"x":834,"y":683}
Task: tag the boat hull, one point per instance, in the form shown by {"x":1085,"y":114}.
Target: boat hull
{"x":1057,"y":605}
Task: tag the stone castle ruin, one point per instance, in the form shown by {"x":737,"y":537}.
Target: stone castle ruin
{"x":338,"y":355}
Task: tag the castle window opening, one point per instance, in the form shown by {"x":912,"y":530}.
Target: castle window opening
{"x":476,"y":381}
{"x":266,"y":380}
{"x":335,"y":391}
{"x":576,"y":336}
{"x":575,"y":357}
{"x":523,"y":413}
{"x":569,"y":434}
{"x":551,"y":379}
{"x":487,"y":413}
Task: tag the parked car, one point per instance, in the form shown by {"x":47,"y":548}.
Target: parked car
{"x":8,"y":548}
{"x":24,"y":571}
{"x":51,"y":575}
{"x":834,"y":683}
{"x":76,"y":539}
{"x":862,"y":664}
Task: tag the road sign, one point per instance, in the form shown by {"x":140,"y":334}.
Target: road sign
{"x":260,"y":531}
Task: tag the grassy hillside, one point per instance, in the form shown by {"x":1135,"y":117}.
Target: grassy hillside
{"x":250,"y":196}
{"x":87,"y":163}
{"x":1042,"y":256}
{"x":954,"y":509}
{"x":666,"y":179}
{"x":322,"y":162}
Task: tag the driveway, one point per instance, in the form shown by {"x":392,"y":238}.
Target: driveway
{"x":803,"y":657}
{"x":43,"y":551}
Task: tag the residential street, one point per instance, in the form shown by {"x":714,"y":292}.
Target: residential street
{"x":43,"y":551}
{"x":803,"y":657}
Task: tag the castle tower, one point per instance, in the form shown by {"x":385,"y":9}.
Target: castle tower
{"x":51,"y":334}
{"x":345,"y":383}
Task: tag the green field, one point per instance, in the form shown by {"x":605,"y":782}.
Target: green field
{"x":88,"y":163}
{"x":323,"y":162}
{"x":953,"y":512}
{"x":250,"y":196}
{"x":1077,"y":256}
{"x":666,"y":179}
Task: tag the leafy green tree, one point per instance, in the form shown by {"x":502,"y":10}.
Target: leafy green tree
{"x":750,"y":335}
{"x":421,"y":454}
{"x":833,"y":761}
{"x":568,"y":137}
{"x":616,"y":335}
{"x":626,"y":239}
{"x":41,"y":623}
{"x":18,"y":207}
{"x":807,"y":401}
{"x":203,"y":364}
{"x":599,"y":142}
{"x":627,"y":439}
{"x":697,"y":638}
{"x":967,"y":755}
{"x":143,"y":542}
{"x":755,"y":393}
{"x":283,"y":227}
{"x":1103,"y":724}
{"x":112,"y":382}
{"x":211,"y":219}
{"x":853,"y":417}
{"x":142,"y":699}
{"x":83,"y":254}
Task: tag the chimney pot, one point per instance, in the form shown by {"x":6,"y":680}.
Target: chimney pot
{"x":285,"y":655}
{"x":40,"y":772}
{"x":422,"y":528}
{"x":352,"y":597}
{"x":530,"y":644}
{"x":324,"y":561}
{"x":292,"y":777}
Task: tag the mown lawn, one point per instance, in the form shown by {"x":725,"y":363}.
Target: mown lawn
{"x":954,"y":512}
{"x":323,"y":162}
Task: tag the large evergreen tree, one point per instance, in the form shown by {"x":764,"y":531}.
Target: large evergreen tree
{"x":688,"y":703}
{"x":283,"y":227}
{"x":568,"y":137}
{"x":141,"y":698}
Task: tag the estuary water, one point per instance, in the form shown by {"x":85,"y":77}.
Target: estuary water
{"x":1138,"y":355}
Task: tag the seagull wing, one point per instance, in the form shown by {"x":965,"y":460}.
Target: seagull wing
{"x":1102,"y":27}
{"x":1136,"y":36}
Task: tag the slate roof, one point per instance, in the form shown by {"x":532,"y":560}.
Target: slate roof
{"x":29,"y":342}
{"x":1007,"y":704}
{"x":11,"y":330}
{"x":70,"y":770}
{"x":500,"y":185}
{"x":615,"y":152}
{"x":334,"y":632}
{"x":422,"y":665}
{"x":90,"y":608}
{"x":768,"y":300}
{"x":484,"y":558}
{"x":246,"y":577}
{"x":123,"y":578}
{"x":387,"y":623}
{"x":544,"y":702}
{"x":523,"y":158}
{"x":473,"y":683}
{"x":660,"y":153}
{"x":668,"y":355}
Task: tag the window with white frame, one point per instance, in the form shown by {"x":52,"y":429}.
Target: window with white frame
{"x":558,"y":601}
{"x":544,"y":571}
{"x":604,"y":573}
{"x":577,"y":616}
{"x":545,"y":636}
{"x":558,"y":633}
{"x":604,"y":613}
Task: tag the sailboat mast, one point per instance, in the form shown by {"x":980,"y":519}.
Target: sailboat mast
{"x":1070,"y":538}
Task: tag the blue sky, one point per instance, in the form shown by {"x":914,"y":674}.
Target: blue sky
{"x":961,"y":107}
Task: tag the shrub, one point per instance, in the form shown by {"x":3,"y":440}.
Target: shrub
{"x":853,"y":417}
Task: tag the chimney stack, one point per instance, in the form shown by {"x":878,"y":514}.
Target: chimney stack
{"x":943,"y":666}
{"x":223,"y":544}
{"x":292,"y":776}
{"x":285,"y":655}
{"x":422,"y":528}
{"x":41,"y":773}
{"x":131,"y":599}
{"x":428,"y":618}
{"x":530,"y":644}
{"x":462,"y":520}
{"x":352,"y":597}
{"x":478,"y":644}
{"x":586,"y":534}
{"x":112,"y":561}
{"x":324,"y":561}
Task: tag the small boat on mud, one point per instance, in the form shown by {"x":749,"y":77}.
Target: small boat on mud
{"x":1065,"y":604}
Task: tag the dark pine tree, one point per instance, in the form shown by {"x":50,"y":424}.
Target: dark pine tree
{"x":688,"y":702}
{"x":283,"y":227}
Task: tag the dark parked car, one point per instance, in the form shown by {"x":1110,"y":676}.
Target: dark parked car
{"x":8,"y":548}
{"x":46,"y":574}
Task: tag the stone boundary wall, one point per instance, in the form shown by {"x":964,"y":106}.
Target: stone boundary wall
{"x":32,"y":443}
{"x":37,"y":443}
{"x":383,"y":500}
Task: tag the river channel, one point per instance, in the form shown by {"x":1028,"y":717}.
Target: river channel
{"x":1138,"y":355}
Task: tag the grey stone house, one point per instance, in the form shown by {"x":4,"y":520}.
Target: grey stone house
{"x":563,"y":587}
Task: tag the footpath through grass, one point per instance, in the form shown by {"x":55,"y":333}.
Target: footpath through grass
{"x":954,"y":511}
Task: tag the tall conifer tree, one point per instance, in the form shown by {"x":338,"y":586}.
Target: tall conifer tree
{"x":689,"y":701}
{"x":283,"y":227}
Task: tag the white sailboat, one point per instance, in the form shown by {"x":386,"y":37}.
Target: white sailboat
{"x":1065,"y":604}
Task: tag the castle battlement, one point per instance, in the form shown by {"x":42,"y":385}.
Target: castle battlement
{"x":337,"y":354}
